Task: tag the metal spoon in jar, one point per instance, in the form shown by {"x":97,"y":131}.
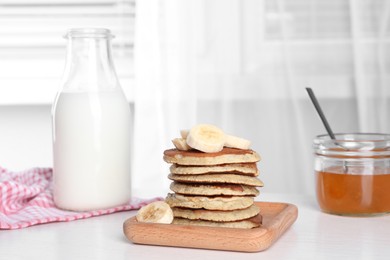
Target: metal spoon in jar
{"x":324,"y":121}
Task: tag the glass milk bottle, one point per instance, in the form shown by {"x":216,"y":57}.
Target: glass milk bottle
{"x":91,"y":127}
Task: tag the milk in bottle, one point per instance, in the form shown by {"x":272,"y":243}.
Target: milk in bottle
{"x":91,"y":128}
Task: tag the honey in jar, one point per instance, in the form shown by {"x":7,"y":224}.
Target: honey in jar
{"x":353,"y":174}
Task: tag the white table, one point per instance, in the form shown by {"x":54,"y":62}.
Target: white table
{"x":315,"y":235}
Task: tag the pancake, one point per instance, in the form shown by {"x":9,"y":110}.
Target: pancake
{"x":217,"y":178}
{"x":249,"y":169}
{"x":211,"y":203}
{"x":214,"y":189}
{"x":226,"y":156}
{"x":253,"y":222}
{"x":217,"y":215}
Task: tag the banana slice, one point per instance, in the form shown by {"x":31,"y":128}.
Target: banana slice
{"x":155,"y":212}
{"x":206,"y":138}
{"x":181,"y":144}
{"x":184,"y":133}
{"x":237,"y":142}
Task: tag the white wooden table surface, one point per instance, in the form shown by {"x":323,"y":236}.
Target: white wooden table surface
{"x":315,"y":235}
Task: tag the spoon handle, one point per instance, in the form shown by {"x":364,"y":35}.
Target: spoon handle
{"x":320,"y":113}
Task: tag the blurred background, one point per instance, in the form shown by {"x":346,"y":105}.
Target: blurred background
{"x":241,"y":65}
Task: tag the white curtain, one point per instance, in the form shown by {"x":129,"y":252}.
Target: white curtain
{"x":244,"y":66}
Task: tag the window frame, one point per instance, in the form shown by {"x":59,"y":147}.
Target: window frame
{"x":32,"y":62}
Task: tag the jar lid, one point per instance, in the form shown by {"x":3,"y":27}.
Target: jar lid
{"x":353,"y":145}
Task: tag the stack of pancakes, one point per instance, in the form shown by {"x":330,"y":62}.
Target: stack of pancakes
{"x":214,"y":189}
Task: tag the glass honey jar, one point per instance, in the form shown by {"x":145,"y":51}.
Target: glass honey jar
{"x":353,"y":173}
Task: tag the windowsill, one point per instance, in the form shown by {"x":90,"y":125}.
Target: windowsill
{"x":42,"y":91}
{"x":38,"y":91}
{"x":31,"y":81}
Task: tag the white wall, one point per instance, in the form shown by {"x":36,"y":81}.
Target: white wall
{"x":25,"y":136}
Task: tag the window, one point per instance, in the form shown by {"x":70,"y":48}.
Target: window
{"x":335,"y":44}
{"x":32,"y":50}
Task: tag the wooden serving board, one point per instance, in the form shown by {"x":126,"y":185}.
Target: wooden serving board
{"x":277,"y":217}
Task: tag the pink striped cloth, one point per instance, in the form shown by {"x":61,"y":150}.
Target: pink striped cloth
{"x":26,"y":199}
